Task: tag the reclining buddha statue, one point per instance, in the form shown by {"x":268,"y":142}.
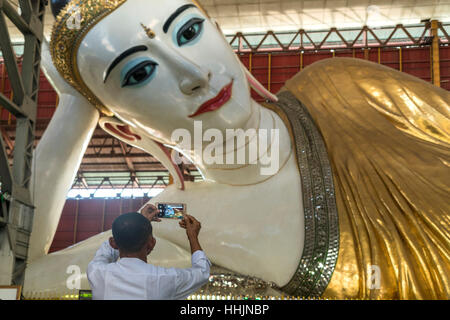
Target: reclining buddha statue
{"x":357,"y":206}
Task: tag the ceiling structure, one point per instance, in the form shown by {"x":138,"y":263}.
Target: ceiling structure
{"x":109,"y":164}
{"x":250,"y":16}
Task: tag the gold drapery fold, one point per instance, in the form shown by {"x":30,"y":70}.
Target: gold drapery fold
{"x":388,"y":138}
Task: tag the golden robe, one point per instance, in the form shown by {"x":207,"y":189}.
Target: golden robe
{"x":388,"y":136}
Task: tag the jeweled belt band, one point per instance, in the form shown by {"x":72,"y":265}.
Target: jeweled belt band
{"x":321,"y":245}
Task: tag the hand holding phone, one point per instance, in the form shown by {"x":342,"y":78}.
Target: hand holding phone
{"x":191,"y":225}
{"x":151,"y":212}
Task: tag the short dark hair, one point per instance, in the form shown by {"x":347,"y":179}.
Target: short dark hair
{"x":131,"y":231}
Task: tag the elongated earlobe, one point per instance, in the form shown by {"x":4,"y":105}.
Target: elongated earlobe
{"x":255,"y":84}
{"x":123,"y":131}
{"x":57,"y":6}
{"x":139,"y":139}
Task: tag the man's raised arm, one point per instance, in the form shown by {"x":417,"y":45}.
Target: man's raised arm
{"x":190,"y":280}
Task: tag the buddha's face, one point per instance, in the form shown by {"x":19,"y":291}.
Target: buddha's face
{"x":187,"y":72}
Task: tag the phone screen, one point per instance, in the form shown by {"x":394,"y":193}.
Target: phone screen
{"x":171,"y":210}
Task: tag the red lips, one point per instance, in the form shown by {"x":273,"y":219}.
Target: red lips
{"x":216,"y":102}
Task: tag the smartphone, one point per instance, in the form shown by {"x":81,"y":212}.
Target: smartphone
{"x":171,"y":210}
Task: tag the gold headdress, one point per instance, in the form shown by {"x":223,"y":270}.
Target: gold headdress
{"x":71,"y":26}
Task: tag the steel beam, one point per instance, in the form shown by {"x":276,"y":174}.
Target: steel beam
{"x":324,"y":44}
{"x":5,"y":171}
{"x":11,"y":106}
{"x":10,"y":61}
{"x":25,"y":86}
{"x":20,"y":20}
{"x":7,"y":139}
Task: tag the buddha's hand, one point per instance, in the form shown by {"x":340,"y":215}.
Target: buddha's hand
{"x":53,"y":76}
{"x":151,"y":212}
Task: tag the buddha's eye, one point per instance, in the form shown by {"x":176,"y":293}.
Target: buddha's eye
{"x":190,"y":31}
{"x":139,"y":74}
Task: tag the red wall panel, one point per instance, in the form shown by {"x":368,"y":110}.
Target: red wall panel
{"x":417,"y":62}
{"x":414,"y":61}
{"x":84,"y":218}
{"x":444,"y":58}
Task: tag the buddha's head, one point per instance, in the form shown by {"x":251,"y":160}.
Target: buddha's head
{"x":156,"y":65}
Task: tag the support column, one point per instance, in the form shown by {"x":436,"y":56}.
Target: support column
{"x":17,"y":209}
{"x":436,"y":72}
{"x":366,"y":54}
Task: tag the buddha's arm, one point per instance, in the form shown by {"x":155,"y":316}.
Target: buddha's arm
{"x":58,"y":157}
{"x":54,"y":275}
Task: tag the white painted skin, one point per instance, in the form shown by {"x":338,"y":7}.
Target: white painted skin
{"x":57,"y":157}
{"x":251,"y":223}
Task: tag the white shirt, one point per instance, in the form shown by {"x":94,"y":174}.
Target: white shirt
{"x":133,"y":279}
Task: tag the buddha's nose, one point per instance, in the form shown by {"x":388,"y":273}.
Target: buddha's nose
{"x":191,"y":76}
{"x":194,"y":81}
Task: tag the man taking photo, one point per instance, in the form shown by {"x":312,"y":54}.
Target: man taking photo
{"x":131,"y":277}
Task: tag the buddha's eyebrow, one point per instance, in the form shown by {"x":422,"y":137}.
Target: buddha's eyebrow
{"x":122,"y":56}
{"x":176,"y":14}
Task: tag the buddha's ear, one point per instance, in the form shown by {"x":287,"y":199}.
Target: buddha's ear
{"x":140,"y":140}
{"x":255,"y":84}
{"x":120,"y":130}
